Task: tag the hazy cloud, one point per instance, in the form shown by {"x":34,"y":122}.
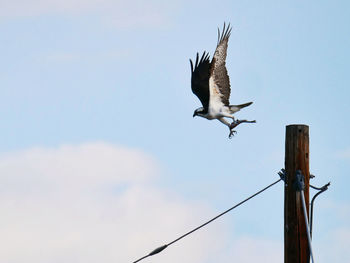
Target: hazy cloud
{"x":119,"y":13}
{"x":344,"y":154}
{"x":335,"y":247}
{"x":92,"y":203}
{"x":252,"y":249}
{"x":66,"y":57}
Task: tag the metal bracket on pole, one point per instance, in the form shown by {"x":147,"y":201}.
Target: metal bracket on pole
{"x":283,"y":175}
{"x":299,"y":183}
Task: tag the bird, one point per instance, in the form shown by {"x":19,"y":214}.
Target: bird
{"x":211,"y":84}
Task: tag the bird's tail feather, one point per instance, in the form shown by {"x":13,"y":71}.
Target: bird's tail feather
{"x":235,"y":108}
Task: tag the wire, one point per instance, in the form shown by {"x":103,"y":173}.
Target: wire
{"x":159,"y":249}
{"x":324,"y":188}
{"x":321,"y":190}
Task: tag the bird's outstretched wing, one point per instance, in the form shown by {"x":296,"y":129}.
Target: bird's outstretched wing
{"x":200,"y":78}
{"x":218,"y":66}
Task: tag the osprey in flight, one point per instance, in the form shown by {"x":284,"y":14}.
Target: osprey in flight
{"x":211,"y":84}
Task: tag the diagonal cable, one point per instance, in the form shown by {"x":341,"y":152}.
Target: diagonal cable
{"x":159,"y":249}
{"x":307,"y":225}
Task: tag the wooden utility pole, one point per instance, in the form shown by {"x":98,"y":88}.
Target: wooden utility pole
{"x":296,"y":248}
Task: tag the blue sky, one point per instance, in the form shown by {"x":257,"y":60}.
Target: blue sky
{"x":117,"y":74}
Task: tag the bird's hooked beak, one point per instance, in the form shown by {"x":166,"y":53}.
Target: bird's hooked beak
{"x":194,"y":114}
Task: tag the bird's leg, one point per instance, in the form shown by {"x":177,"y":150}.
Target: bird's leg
{"x":232,"y":131}
{"x":235,"y":123}
{"x":228,"y":125}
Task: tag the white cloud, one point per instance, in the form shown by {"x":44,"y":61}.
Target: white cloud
{"x":90,"y":166}
{"x":93,"y":203}
{"x":119,"y":13}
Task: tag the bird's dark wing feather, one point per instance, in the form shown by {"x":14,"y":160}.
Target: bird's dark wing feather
{"x":218,"y":65}
{"x":200,"y":78}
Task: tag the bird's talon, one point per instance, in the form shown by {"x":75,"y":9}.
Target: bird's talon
{"x":232,"y":133}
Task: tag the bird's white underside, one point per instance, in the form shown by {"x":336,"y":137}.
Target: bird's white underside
{"x":216,"y":108}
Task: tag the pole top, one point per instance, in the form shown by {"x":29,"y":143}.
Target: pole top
{"x":297,"y":125}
